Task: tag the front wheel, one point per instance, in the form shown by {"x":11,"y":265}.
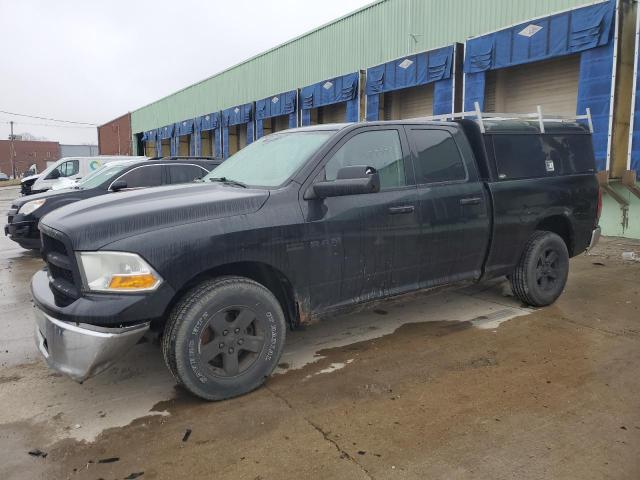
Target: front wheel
{"x":224,"y":337}
{"x":541,"y":274}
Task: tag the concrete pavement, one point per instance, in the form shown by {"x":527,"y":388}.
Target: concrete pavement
{"x":465,"y":383}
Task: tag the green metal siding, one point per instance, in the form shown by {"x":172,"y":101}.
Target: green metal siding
{"x":374,"y":34}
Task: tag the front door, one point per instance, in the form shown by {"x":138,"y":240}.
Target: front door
{"x":364,"y":246}
{"x":453,"y":207}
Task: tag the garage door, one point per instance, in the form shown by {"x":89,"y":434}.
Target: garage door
{"x":183,"y":147}
{"x":206,"y":145}
{"x":280,"y":123}
{"x":275,"y":124}
{"x":411,"y":102}
{"x":166,"y":148}
{"x":237,"y":138}
{"x":552,"y":84}
{"x":149,"y":149}
{"x":336,"y":113}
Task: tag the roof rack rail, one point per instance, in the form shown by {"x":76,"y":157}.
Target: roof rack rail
{"x":481,"y":116}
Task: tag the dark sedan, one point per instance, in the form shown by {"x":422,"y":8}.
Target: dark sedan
{"x":26,"y":212}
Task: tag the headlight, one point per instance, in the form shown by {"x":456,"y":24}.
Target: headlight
{"x":31,"y":206}
{"x":117,"y":272}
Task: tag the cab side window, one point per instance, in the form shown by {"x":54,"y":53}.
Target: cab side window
{"x":150,"y":176}
{"x":67,"y":169}
{"x":380,"y":149}
{"x":438,"y":157}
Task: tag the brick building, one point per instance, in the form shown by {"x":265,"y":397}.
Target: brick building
{"x":27,"y":153}
{"x":114,"y":137}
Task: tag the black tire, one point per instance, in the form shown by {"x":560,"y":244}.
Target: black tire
{"x":541,"y":274}
{"x":224,"y":337}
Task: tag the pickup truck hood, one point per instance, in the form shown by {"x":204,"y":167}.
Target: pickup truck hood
{"x":30,"y":177}
{"x":93,"y":223}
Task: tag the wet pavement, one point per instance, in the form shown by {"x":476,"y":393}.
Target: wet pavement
{"x":464,"y":383}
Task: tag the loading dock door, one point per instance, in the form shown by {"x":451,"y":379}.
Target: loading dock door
{"x":183,"y":146}
{"x":207,"y":144}
{"x":280,"y":123}
{"x":552,"y":84}
{"x":149,"y":149}
{"x":237,"y":138}
{"x":335,"y":113}
{"x":166,"y":148}
{"x":411,"y":102}
{"x":275,"y":124}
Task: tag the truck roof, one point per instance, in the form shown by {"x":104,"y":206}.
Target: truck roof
{"x":491,"y":125}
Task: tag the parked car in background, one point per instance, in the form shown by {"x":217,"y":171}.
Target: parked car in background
{"x":32,"y":170}
{"x":308,"y":222}
{"x":3,"y":177}
{"x":116,"y":176}
{"x":26,"y":182}
{"x":72,"y":168}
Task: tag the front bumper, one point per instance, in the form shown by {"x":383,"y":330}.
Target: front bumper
{"x":88,"y":335}
{"x":25,"y":233}
{"x":80,"y":350}
{"x":595,"y":238}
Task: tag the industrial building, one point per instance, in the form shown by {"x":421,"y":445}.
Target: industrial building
{"x":396,"y":59}
{"x":27,"y":153}
{"x":78,"y":150}
{"x":114,"y":137}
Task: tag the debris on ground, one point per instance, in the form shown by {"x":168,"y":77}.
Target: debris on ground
{"x":36,"y":452}
{"x":131,"y":476}
{"x":631,"y":256}
{"x":109,"y":460}
{"x":187,"y":434}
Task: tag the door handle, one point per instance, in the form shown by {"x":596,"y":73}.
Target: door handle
{"x":401,"y":210}
{"x":470,"y":201}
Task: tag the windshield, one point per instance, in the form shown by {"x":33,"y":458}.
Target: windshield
{"x":101,"y":175}
{"x":270,"y":161}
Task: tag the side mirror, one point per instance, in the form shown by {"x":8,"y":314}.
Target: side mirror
{"x":54,"y":175}
{"x":354,"y":180}
{"x":118,"y":185}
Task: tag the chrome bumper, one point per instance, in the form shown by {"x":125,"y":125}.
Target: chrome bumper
{"x":595,"y":238}
{"x":79,"y":350}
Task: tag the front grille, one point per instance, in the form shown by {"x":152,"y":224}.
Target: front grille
{"x":60,"y":273}
{"x":61,"y":265}
{"x":50,"y":244}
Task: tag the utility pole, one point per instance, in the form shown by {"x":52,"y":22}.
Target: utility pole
{"x":12,"y":152}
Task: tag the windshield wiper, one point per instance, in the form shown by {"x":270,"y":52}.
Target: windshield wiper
{"x":228,"y":181}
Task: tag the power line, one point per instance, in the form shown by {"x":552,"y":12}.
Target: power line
{"x":50,"y":125}
{"x":47,"y":118}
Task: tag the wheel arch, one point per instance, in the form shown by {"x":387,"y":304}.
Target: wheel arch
{"x":560,"y":225}
{"x":263,"y":273}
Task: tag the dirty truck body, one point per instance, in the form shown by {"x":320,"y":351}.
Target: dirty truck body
{"x":305,"y":223}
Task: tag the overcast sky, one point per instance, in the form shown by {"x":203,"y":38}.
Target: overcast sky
{"x":91,"y":61}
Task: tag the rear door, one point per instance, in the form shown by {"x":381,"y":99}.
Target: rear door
{"x":453,"y":207}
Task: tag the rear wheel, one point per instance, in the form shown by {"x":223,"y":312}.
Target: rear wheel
{"x":541,"y":274}
{"x":224,"y":338}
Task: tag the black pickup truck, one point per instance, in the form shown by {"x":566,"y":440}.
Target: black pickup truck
{"x":305,"y":223}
